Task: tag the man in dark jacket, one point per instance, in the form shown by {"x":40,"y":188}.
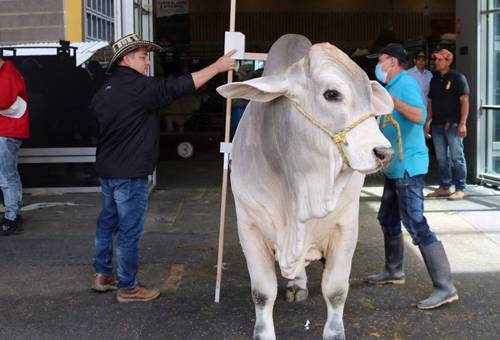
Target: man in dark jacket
{"x":127,"y":152}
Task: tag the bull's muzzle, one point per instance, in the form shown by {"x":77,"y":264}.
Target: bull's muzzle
{"x":383,"y":154}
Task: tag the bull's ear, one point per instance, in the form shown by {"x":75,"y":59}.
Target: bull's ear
{"x":382,"y":103}
{"x":262,"y":89}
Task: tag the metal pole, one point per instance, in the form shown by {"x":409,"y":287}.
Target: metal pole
{"x":225,"y":172}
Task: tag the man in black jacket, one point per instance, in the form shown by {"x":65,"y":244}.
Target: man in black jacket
{"x":127,"y":151}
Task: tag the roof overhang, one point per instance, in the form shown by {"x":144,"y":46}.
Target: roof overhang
{"x":84,"y":50}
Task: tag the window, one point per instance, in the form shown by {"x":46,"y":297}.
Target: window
{"x":110,"y":33}
{"x":145,"y":17}
{"x":489,"y":91}
{"x":99,"y":20}
{"x":87,"y":24}
{"x":94,"y":27}
{"x":142,"y":18}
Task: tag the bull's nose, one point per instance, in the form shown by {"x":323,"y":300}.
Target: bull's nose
{"x":383,"y":154}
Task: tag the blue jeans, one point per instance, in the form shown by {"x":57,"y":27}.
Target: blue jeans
{"x":403,"y":201}
{"x":124,"y":206}
{"x":10,"y":182}
{"x":446,"y":143}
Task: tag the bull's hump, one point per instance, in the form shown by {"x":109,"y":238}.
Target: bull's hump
{"x":287,"y":50}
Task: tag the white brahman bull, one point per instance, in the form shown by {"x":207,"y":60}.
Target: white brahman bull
{"x":299,"y":159}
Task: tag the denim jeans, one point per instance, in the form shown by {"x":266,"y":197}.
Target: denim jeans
{"x":124,"y":207}
{"x":446,"y":143}
{"x":10,"y":182}
{"x":403,"y":201}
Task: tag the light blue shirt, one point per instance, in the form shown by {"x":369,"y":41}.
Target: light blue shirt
{"x":415,"y":153}
{"x":423,"y":79}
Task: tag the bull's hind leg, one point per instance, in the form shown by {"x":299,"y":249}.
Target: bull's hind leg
{"x":260,"y":262}
{"x":335,"y":282}
{"x":296,"y":289}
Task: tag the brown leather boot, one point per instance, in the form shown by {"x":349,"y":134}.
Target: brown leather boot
{"x":440,"y":192}
{"x":137,"y":294}
{"x":103,"y":283}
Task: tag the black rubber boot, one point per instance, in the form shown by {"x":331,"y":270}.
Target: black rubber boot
{"x":393,"y":272}
{"x":438,"y":267}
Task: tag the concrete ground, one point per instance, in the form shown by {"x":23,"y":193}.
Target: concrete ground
{"x":45,"y":272}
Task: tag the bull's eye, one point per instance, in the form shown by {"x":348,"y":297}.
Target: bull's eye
{"x":332,"y":95}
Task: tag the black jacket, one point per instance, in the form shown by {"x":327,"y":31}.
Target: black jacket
{"x":126,"y":108}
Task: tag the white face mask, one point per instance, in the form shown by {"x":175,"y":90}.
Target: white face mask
{"x":380,"y":74}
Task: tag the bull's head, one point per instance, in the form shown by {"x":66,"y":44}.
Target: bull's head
{"x":334,"y":94}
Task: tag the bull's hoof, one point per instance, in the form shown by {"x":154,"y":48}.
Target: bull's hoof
{"x":263,"y":337}
{"x":335,"y":337}
{"x":334,"y":330}
{"x":296,"y":294}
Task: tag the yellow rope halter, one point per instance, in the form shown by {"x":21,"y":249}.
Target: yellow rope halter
{"x":339,"y":137}
{"x":389,"y":119}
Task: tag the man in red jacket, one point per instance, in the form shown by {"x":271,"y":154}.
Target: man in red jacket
{"x":14,"y":126}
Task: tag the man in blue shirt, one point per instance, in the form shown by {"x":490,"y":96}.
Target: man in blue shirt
{"x":403,"y":199}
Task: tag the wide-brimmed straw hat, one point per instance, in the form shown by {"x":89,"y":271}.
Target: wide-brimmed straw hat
{"x":127,"y":44}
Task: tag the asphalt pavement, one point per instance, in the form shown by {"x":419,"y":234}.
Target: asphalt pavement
{"x":46,"y":271}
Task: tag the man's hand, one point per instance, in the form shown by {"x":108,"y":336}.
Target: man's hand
{"x":462,"y":130}
{"x":427,"y":130}
{"x":225,"y":63}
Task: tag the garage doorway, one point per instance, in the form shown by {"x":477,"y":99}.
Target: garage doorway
{"x":192,"y":35}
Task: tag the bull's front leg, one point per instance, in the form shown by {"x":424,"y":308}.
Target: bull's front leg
{"x":260,"y":263}
{"x":335,"y":282}
{"x":296,"y":289}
